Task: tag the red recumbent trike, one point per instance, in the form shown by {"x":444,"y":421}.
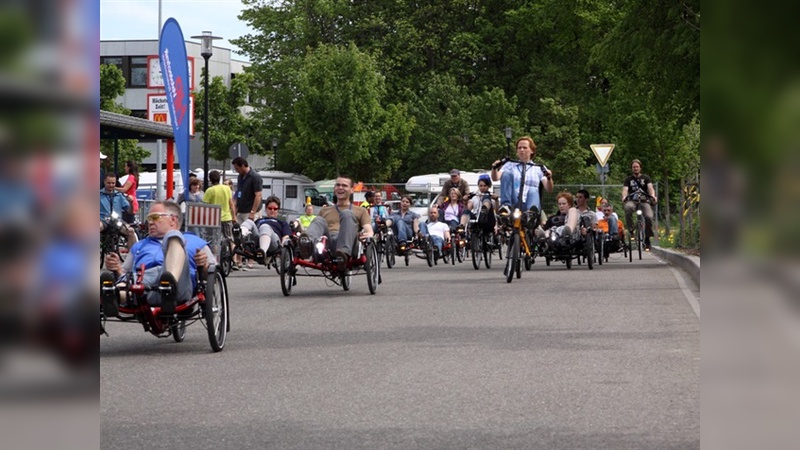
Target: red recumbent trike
{"x":364,"y":260}
{"x":208,"y":305}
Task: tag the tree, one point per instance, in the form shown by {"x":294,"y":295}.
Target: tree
{"x":340,"y":120}
{"x":227,"y":124}
{"x":112,"y":85}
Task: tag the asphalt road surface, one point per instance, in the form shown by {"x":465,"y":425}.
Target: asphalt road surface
{"x":440,"y":358}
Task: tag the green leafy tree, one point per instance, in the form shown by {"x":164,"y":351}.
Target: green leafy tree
{"x":227,"y":124}
{"x":112,"y":85}
{"x":559,"y":145}
{"x":340,"y":120}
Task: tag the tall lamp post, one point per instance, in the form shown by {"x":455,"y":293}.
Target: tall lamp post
{"x":274,"y":153}
{"x":206,"y":49}
{"x":508,"y":140}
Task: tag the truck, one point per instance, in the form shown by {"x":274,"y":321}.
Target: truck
{"x":428,"y":187}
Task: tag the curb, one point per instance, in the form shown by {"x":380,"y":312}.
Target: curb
{"x":688,"y":263}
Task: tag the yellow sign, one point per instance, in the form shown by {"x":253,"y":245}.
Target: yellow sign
{"x":602,"y":152}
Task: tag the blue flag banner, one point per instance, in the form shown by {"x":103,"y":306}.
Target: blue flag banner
{"x":172,"y":55}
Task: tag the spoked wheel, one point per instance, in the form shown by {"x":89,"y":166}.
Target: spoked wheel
{"x":216,"y":311}
{"x":486,"y":248}
{"x":390,"y":248}
{"x":225,"y":257}
{"x":512,"y":259}
{"x":178,"y":329}
{"x":630,"y":247}
{"x":590,"y":251}
{"x":429,"y":251}
{"x":640,"y":237}
{"x":345,"y":279}
{"x":569,"y":262}
{"x":477,"y":252}
{"x":461,"y":252}
{"x":453,"y":250}
{"x":446,"y":253}
{"x":372,"y":266}
{"x":600,"y":250}
{"x":501,"y":241}
{"x":286,"y":270}
{"x":547,"y":261}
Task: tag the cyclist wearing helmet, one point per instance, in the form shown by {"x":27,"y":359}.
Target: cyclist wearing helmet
{"x":482,"y":205}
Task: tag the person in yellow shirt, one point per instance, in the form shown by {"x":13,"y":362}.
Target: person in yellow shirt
{"x":220,"y":194}
{"x":305,"y":219}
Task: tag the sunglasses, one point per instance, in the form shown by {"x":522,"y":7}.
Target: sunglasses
{"x":155,"y":216}
{"x":272,"y":208}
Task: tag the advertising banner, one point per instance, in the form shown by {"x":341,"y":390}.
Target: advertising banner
{"x":172,"y":54}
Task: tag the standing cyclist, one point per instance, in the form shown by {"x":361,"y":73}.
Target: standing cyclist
{"x":635,"y":186}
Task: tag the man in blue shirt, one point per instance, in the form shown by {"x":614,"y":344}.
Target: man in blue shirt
{"x":171,"y":260}
{"x":112,"y":200}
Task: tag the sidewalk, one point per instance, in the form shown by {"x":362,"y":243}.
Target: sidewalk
{"x":688,"y":263}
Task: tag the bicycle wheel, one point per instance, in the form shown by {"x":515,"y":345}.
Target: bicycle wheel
{"x":371,"y":267}
{"x":640,"y":236}
{"x":486,"y":248}
{"x":345,"y":278}
{"x":569,"y":262}
{"x":477,"y":252}
{"x":512,"y":259}
{"x":390,"y":248}
{"x":630,"y":247}
{"x":216,"y":311}
{"x":178,"y":329}
{"x":287,"y":270}
{"x":429,"y":251}
{"x":460,"y":251}
{"x":600,"y":249}
{"x":225,"y":257}
{"x":590,"y":251}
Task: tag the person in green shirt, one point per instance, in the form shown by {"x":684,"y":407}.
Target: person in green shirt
{"x":220,"y":194}
{"x":305,"y":219}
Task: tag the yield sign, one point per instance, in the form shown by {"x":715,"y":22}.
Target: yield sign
{"x":602,"y":152}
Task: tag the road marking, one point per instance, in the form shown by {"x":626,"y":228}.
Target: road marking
{"x":686,"y":292}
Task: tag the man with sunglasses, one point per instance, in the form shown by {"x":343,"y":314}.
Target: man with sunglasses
{"x":272,"y":231}
{"x":171,"y":260}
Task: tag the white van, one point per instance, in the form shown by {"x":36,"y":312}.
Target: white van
{"x":146,"y":190}
{"x":428,"y":187}
{"x":292,"y":189}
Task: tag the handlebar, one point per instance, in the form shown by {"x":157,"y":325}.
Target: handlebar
{"x":635,"y":197}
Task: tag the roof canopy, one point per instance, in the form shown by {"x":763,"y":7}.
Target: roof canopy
{"x":120,"y":126}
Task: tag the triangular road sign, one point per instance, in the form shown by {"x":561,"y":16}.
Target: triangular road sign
{"x":602,"y":152}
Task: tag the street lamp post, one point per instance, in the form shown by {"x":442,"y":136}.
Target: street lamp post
{"x":206,"y":49}
{"x":508,"y":140}
{"x":274,"y":153}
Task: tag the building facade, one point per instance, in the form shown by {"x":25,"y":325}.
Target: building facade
{"x":138,"y":60}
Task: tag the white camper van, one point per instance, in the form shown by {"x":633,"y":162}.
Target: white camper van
{"x":293,"y":190}
{"x":146,"y":190}
{"x":428,"y":187}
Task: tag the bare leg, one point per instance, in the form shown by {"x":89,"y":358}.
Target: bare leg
{"x":175,"y":258}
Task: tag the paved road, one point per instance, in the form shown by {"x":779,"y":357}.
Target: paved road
{"x":444,"y":358}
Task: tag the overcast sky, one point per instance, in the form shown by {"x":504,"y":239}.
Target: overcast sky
{"x":138,"y":19}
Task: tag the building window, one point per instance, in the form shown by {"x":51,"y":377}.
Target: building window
{"x":138,"y":68}
{"x":291,"y":191}
{"x":112,"y":61}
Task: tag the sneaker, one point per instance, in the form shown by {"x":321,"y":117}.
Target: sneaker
{"x":108,"y":294}
{"x":306,"y":246}
{"x":341,"y":260}
{"x":168,"y":287}
{"x":259,"y":257}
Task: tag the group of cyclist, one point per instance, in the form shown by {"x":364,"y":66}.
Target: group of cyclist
{"x":338,"y":226}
